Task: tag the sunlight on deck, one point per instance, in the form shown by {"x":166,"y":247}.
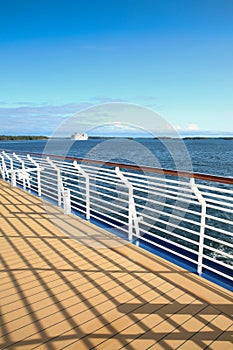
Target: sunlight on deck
{"x":58,"y":292}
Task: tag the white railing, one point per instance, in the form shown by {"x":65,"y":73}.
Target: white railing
{"x":188,"y":216}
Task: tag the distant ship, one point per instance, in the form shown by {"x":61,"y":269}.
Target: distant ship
{"x":79,"y":137}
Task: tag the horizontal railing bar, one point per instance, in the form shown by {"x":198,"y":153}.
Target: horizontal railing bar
{"x":75,"y":182}
{"x":101,"y":179}
{"x":175,"y":195}
{"x":225,"y":221}
{"x":174,"y":235}
{"x":171,"y":205}
{"x":110,"y":204}
{"x":106,"y":189}
{"x":107,"y":212}
{"x":216,"y":271}
{"x":221,"y":204}
{"x":208,"y":196}
{"x":167,"y":249}
{"x":124,"y":203}
{"x":174,"y":243}
{"x":184,"y":200}
{"x":77,"y":189}
{"x":169,"y":215}
{"x":147,"y":185}
{"x":168,"y":224}
{"x":79,"y":196}
{"x":224,"y":242}
{"x":102,"y":172}
{"x":111,"y":224}
{"x":80,"y":209}
{"x":48,"y":176}
{"x":108,"y":196}
{"x":48,"y":184}
{"x":138,"y":177}
{"x":213,"y":188}
{"x":48,"y":195}
{"x":226,"y":210}
{"x":97,"y":169}
{"x":219,"y":262}
{"x":219,"y":230}
{"x":52,"y":189}
{"x":218,"y":252}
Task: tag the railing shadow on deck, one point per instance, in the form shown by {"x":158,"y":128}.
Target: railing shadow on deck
{"x":85,"y":273}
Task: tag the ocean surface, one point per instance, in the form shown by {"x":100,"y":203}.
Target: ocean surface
{"x":207,"y":156}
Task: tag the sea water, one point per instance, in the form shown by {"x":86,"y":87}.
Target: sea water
{"x":207,"y":156}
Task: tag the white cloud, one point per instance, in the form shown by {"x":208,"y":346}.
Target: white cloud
{"x":106,"y":99}
{"x":48,"y":110}
{"x":36,"y":119}
{"x":193,"y":127}
{"x":119,"y":129}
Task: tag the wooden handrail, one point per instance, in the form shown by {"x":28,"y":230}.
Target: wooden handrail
{"x":177,"y":173}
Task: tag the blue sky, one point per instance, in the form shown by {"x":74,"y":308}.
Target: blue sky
{"x":172,"y":56}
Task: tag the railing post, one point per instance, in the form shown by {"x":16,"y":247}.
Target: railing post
{"x":66,"y":201}
{"x":13,"y":178}
{"x":38,"y":174}
{"x":87,"y":179}
{"x":23,"y":168}
{"x":11,"y":162}
{"x":59,"y":180}
{"x":62,"y":192}
{"x":11,"y":171}
{"x":3,"y":168}
{"x":132,"y":213}
{"x":130,"y":233}
{"x":202,"y":201}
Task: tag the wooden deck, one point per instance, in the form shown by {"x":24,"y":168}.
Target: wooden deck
{"x":67,"y":284}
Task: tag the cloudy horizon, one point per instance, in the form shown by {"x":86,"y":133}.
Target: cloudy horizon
{"x":173,"y":57}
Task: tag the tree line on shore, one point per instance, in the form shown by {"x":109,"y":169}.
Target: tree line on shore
{"x":21,"y":137}
{"x":40,"y":137}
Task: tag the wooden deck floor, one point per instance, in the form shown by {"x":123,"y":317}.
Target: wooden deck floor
{"x":94,"y":292}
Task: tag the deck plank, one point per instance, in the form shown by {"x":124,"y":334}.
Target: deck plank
{"x":67,"y":284}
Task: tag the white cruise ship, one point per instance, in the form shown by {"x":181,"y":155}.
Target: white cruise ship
{"x":79,"y":137}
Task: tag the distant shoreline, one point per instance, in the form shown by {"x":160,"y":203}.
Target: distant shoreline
{"x":207,"y":138}
{"x":33,"y":137}
{"x":22,"y":138}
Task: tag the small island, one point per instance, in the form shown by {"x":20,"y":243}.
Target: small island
{"x":22,"y":137}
